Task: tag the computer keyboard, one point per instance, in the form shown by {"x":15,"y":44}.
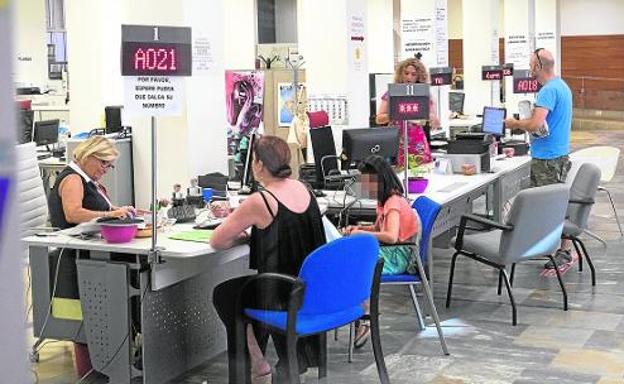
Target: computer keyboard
{"x":182,"y":213}
{"x":43,"y":156}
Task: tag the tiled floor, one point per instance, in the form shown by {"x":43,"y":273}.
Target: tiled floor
{"x":583,"y":345}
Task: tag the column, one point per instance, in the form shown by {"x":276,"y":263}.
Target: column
{"x":519,"y":24}
{"x":240,"y":31}
{"x":548,"y":29}
{"x":480,"y":20}
{"x":333,"y":41}
{"x":424,"y":29}
{"x":30,"y":42}
{"x":13,"y":353}
{"x":380,"y":36}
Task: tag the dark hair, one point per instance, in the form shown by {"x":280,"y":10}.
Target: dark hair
{"x":274,"y":154}
{"x":388,"y":182}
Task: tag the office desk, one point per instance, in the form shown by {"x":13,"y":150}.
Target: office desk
{"x":52,"y":112}
{"x":455,"y":193}
{"x":173,"y":301}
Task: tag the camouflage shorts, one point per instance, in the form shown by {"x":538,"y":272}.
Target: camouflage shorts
{"x":545,"y":172}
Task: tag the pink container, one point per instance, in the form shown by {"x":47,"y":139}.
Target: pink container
{"x":417,"y":184}
{"x":119,"y":233}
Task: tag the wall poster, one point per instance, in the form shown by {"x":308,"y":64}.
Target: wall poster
{"x":244,"y":97}
{"x":286,"y":102}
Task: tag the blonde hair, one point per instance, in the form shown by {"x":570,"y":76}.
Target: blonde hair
{"x":421,"y":70}
{"x":97,"y":146}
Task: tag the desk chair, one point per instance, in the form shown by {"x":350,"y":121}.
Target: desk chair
{"x":333,"y":283}
{"x":582,"y":193}
{"x":325,"y":158}
{"x":33,"y":205}
{"x":533,"y":229}
{"x":606,"y":158}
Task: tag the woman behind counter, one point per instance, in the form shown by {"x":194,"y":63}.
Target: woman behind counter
{"x":78,"y":197}
{"x":286,"y":227}
{"x":410,"y":71}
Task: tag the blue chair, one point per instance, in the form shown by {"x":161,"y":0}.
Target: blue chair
{"x":333,"y":283}
{"x":428,"y":211}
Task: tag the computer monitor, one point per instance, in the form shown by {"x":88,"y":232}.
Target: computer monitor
{"x":494,"y":121}
{"x":247,"y":181}
{"x":324,"y":149}
{"x":456,"y":102}
{"x":25,"y":126}
{"x":113,"y":119}
{"x":358,"y":144}
{"x":46,"y":132}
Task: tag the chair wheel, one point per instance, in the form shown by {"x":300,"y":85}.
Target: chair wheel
{"x":33,"y":357}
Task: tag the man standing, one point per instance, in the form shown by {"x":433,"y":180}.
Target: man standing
{"x":550,"y":163}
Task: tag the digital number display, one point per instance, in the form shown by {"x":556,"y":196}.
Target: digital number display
{"x":492,"y":75}
{"x":440,"y":79}
{"x":409,"y":108}
{"x":156,"y":59}
{"x":526,"y":85}
{"x":508,"y":69}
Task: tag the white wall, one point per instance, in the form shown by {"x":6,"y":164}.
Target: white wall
{"x":454,"y":19}
{"x":596,"y":17}
{"x":31,"y":53}
{"x":380,"y":37}
{"x":240,"y":33}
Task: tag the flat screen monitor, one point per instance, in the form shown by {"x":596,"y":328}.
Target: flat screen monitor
{"x":456,"y":102}
{"x":25,"y":126}
{"x":494,"y":121}
{"x":248,"y":180}
{"x":358,"y":144}
{"x":113,"y":119}
{"x":324,"y":150}
{"x":46,"y":132}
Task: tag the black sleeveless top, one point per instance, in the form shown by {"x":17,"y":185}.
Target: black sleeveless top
{"x":91,"y":200}
{"x":288,"y":240}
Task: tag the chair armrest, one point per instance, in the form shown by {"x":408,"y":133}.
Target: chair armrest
{"x":258,"y":282}
{"x":477,"y":219}
{"x":582,"y":201}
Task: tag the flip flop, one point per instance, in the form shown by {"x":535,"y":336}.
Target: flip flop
{"x":360,"y":340}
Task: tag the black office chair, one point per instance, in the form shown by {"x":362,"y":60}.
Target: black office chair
{"x":325,"y":158}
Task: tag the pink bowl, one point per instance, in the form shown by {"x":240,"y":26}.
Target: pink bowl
{"x":417,"y":184}
{"x":119,"y":233}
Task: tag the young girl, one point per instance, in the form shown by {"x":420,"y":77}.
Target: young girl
{"x":396,"y":222}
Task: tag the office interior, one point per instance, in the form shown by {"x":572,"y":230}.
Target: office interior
{"x":314,"y":73}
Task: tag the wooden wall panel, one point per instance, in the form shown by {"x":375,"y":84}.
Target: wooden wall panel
{"x":582,"y":56}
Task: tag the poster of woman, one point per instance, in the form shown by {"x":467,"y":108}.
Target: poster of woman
{"x":244,"y":92}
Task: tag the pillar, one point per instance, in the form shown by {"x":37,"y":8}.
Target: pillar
{"x":548,"y":29}
{"x":30,"y":65}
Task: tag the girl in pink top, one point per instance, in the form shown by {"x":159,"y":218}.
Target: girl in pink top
{"x":396,"y":222}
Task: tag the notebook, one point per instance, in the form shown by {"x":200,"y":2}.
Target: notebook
{"x":198,"y":235}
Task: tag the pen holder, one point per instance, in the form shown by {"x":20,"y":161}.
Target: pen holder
{"x":417,"y":184}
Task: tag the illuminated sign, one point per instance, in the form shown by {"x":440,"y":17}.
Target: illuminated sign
{"x":409,"y":101}
{"x":491,"y":72}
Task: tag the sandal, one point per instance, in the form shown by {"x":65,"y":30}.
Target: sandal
{"x":266,"y":378}
{"x":362,"y":332}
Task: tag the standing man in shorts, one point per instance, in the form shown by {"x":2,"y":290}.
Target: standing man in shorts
{"x":549,"y":148}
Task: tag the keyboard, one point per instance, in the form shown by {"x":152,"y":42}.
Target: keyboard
{"x":182,"y":213}
{"x":43,"y":156}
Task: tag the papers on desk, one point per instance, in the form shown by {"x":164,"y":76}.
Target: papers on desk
{"x":197,"y":235}
{"x":88,"y":228}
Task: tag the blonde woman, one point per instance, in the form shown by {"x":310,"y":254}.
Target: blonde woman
{"x":78,"y":197}
{"x":410,"y":71}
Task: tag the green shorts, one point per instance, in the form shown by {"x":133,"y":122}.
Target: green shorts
{"x":552,"y":171}
{"x":398,"y":259}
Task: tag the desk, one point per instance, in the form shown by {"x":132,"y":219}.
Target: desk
{"x":179,"y":326}
{"x":53,"y":111}
{"x":462,"y":124}
{"x":508,"y":177}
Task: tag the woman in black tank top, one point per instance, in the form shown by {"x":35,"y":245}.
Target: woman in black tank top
{"x":286,"y":227}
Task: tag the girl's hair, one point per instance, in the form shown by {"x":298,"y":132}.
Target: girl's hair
{"x":388,"y":182}
{"x":98,"y":147}
{"x":274,"y":154}
{"x":421,"y":70}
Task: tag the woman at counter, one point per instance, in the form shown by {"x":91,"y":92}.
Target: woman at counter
{"x":410,"y":71}
{"x":78,"y":197}
{"x":286,"y":227}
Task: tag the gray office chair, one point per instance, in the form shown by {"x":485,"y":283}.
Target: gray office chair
{"x":582,"y":193}
{"x":32,"y":202}
{"x":533,"y":229}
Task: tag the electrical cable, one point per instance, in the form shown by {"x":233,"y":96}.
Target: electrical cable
{"x":47,"y":318}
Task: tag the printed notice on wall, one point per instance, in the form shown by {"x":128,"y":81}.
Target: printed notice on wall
{"x":357,"y":50}
{"x":153,"y":95}
{"x":546,"y":40}
{"x":417,"y":36}
{"x":203,"y":60}
{"x":441,"y":32}
{"x":517,"y":50}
